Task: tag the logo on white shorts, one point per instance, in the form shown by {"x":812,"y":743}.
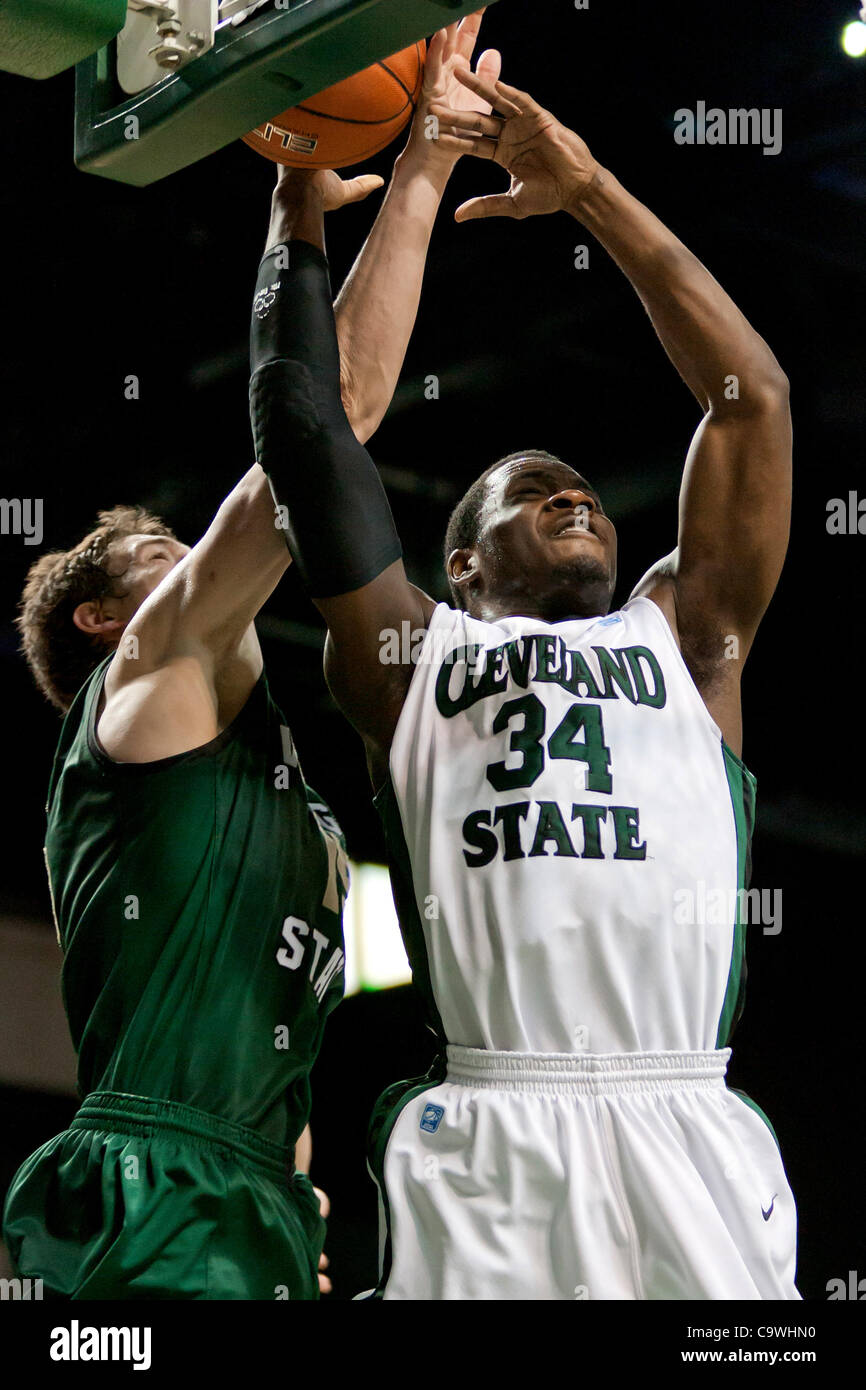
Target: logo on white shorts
{"x":432,"y":1118}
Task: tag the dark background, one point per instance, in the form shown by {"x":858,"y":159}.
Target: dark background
{"x":102,"y":281}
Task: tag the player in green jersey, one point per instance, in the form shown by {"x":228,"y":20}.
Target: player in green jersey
{"x":197,"y":881}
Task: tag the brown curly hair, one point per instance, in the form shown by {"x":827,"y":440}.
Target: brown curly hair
{"x":60,"y":655}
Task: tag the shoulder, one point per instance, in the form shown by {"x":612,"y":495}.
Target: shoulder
{"x":175,"y":708}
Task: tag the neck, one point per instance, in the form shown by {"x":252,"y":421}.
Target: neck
{"x":556,"y":609}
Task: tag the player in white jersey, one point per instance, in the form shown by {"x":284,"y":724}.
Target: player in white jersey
{"x":562,"y":789}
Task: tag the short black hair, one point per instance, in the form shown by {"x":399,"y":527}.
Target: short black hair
{"x":465,"y":520}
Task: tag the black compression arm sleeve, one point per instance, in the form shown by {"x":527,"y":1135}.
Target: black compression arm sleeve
{"x":340,"y":530}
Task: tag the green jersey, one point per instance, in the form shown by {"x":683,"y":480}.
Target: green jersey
{"x":198,"y":904}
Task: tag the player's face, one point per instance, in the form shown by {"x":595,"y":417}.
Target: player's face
{"x":544,"y":538}
{"x":140,"y":564}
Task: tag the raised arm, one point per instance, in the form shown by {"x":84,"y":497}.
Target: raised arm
{"x":378,"y":303}
{"x":734,"y":512}
{"x":735,"y":498}
{"x":187,"y":655}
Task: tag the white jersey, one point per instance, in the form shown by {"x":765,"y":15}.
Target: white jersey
{"x":570,"y":838}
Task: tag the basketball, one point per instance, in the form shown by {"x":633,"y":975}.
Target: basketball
{"x":348,"y":122}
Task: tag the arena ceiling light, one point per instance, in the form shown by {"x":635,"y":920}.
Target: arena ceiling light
{"x":854,"y":38}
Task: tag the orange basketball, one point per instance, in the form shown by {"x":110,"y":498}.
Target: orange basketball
{"x":349,"y":122}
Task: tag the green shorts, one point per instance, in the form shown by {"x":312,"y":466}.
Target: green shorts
{"x":146,"y":1199}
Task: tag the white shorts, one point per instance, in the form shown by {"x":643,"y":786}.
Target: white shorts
{"x":620,"y":1176}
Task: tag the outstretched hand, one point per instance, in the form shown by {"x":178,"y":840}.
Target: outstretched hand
{"x":302,"y":196}
{"x":551,"y":168}
{"x":326,"y":183}
{"x":449,"y":52}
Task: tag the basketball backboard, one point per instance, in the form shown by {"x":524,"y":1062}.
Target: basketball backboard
{"x":186,"y":77}
{"x":39,"y":38}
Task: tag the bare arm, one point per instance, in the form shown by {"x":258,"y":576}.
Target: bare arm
{"x":189,"y":655}
{"x":735,"y":497}
{"x":377,"y":306}
{"x":700,"y":327}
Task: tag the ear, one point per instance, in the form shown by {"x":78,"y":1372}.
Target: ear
{"x":462,"y":567}
{"x":90,"y":618}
